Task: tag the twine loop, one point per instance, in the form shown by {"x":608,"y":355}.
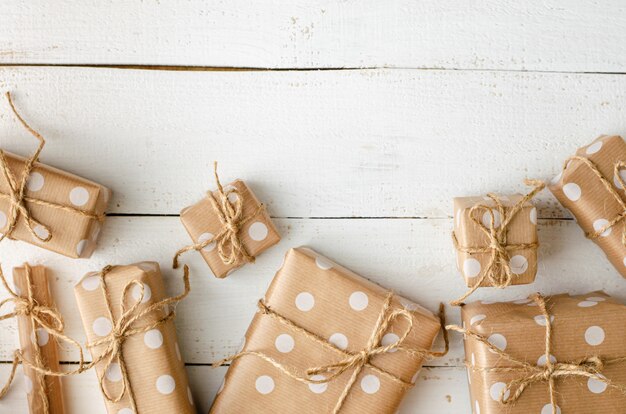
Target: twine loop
{"x":125,"y":327}
{"x":49,"y":319}
{"x":16,"y":194}
{"x":590,"y":367}
{"x":350,"y":360}
{"x":228,"y":206}
{"x":498,"y":271}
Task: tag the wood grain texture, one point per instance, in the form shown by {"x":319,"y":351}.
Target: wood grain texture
{"x":373,"y":143}
{"x":554,"y":35}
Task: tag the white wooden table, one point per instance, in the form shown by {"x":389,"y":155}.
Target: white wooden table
{"x":418,"y":102}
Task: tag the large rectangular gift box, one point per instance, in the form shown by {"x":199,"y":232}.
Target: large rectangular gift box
{"x":521,"y":230}
{"x":317,"y":313}
{"x":589,"y":187}
{"x":257,"y":233}
{"x":152,"y":358}
{"x":55,"y":199}
{"x":585,"y":329}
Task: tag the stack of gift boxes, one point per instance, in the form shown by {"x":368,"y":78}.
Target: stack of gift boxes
{"x":324,"y":339}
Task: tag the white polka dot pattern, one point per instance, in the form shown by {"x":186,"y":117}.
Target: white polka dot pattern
{"x":305,"y":301}
{"x":42,"y":337}
{"x":114,"y":372}
{"x":599,"y":224}
{"x":41,"y":232}
{"x":284,"y":343}
{"x":547,"y":409}
{"x":323,"y":263}
{"x":594,"y":147}
{"x":496,"y":390}
{"x":622,"y":175}
{"x":471,"y":267}
{"x":102,"y":326}
{"x":204,"y":237}
{"x":358,"y":301}
{"x":28,"y":384}
{"x":572,"y":191}
{"x":388,"y":339}
{"x":153,"y":339}
{"x":80,"y":247}
{"x":596,"y":386}
{"x":533,"y":215}
{"x":318,"y":388}
{"x":594,"y":335}
{"x":79,"y":196}
{"x":264,"y":384}
{"x":477,"y":318}
{"x":498,"y":340}
{"x":370,"y":384}
{"x":339,"y":340}
{"x":542,"y":360}
{"x":541,"y":319}
{"x":518,"y":264}
{"x":125,"y":411}
{"x":147,"y":293}
{"x":497,"y":219}
{"x":35,"y":182}
{"x":258,"y":231}
{"x":587,"y":304}
{"x":165,"y":384}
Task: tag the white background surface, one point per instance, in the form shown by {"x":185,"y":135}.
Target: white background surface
{"x":423,"y":101}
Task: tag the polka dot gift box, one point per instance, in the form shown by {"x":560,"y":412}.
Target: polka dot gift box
{"x":318,"y":314}
{"x":496,"y":239}
{"x":229,"y":227}
{"x":38,"y":343}
{"x":591,"y":187}
{"x":48,"y":207}
{"x":584,"y":362}
{"x":145,"y":370}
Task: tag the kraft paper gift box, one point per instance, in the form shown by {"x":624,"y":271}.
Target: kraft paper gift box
{"x":589,"y":187}
{"x":317,"y":313}
{"x":519,"y":238}
{"x":41,"y":344}
{"x":255,"y":229}
{"x":48,"y":207}
{"x":584,"y":329}
{"x":150,"y":354}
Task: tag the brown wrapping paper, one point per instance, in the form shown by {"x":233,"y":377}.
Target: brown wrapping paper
{"x":521,"y":230}
{"x":338,"y":306}
{"x":581,"y":191}
{"x":73,"y":234}
{"x":155,"y":368}
{"x":257,"y":234}
{"x":582,"y":326}
{"x":38,"y":385}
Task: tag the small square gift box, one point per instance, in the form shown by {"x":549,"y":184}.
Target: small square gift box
{"x":40,"y":328}
{"x":496,"y":239}
{"x":591,"y":186}
{"x":48,"y":207}
{"x":229,"y":227}
{"x":325,"y":340}
{"x":129,"y":322}
{"x":560,"y":354}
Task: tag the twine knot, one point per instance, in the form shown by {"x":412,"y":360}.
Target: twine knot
{"x":125,"y":327}
{"x":351,"y":360}
{"x":498,"y":271}
{"x":228,"y":206}
{"x":590,"y":367}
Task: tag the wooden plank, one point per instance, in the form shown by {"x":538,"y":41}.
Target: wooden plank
{"x":413,"y":257}
{"x":438,"y":390}
{"x":508,"y":35}
{"x":379,"y":143}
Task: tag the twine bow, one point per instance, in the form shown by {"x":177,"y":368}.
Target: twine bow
{"x":590,"y":367}
{"x":498,"y":271}
{"x":617,"y":169}
{"x":16,"y":195}
{"x":356,"y":361}
{"x":125,"y":327}
{"x":47,"y":318}
{"x":228,"y":206}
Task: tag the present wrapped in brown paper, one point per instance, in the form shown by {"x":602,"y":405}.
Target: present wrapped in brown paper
{"x":496,"y":239}
{"x":47,"y":207}
{"x":132,"y":338}
{"x":39,"y":326}
{"x":591,"y":187}
{"x":560,"y":354}
{"x":325,"y":340}
{"x":229,"y":227}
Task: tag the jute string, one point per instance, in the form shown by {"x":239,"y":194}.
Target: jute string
{"x":617,"y":168}
{"x":498,"y":270}
{"x":356,"y":361}
{"x":125,"y":327}
{"x":17,"y":191}
{"x":230,"y":246}
{"x":588,"y":367}
{"x":45,"y":317}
